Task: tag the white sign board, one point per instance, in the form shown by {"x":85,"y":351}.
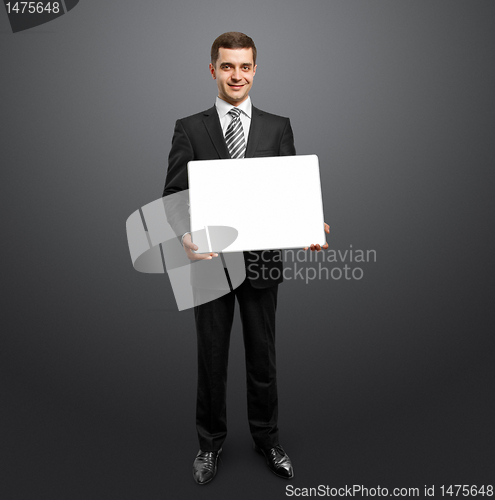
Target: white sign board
{"x":273,"y":203}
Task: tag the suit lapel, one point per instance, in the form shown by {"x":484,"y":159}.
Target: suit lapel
{"x":212,"y":124}
{"x":255,"y":131}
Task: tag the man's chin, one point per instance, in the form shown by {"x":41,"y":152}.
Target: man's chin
{"x":237,"y":98}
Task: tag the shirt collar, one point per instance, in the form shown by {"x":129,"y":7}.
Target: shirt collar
{"x":224,"y":107}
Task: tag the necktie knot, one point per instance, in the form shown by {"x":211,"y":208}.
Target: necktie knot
{"x":235,"y":112}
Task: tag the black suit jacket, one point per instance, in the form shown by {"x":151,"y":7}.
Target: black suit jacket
{"x":200,"y":137}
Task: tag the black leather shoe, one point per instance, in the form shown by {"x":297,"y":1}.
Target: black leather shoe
{"x":278,"y":461}
{"x":205,"y":466}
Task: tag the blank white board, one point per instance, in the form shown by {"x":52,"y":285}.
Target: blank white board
{"x":272,"y":202}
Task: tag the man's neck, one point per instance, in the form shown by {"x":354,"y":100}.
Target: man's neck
{"x":234,"y":104}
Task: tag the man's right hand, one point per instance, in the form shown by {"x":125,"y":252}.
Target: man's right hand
{"x":190,"y":247}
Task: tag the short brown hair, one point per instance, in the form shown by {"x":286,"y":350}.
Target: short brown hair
{"x":232,"y":40}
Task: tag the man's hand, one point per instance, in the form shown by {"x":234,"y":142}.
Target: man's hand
{"x":189,"y":248}
{"x":318,"y":247}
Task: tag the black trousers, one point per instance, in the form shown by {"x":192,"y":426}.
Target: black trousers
{"x":213,"y":325}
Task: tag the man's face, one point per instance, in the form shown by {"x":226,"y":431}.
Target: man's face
{"x":234,"y":72}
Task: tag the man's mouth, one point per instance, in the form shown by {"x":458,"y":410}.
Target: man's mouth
{"x":235,"y":86}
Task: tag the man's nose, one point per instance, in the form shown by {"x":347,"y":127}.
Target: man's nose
{"x":236,"y":75}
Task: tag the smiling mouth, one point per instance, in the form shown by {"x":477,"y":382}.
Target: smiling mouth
{"x":235,"y":86}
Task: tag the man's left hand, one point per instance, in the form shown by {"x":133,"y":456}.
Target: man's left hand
{"x":318,"y":247}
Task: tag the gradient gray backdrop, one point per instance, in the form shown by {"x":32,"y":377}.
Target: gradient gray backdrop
{"x":384,"y":381}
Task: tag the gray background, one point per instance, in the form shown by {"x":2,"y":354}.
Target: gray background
{"x":384,"y":381}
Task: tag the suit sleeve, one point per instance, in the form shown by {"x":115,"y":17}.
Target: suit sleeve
{"x":287,"y":147}
{"x":177,"y":206}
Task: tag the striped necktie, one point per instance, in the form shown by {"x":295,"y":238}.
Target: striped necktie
{"x":234,"y":137}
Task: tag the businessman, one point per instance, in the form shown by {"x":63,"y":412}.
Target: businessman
{"x":234,"y":128}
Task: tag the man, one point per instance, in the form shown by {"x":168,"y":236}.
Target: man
{"x":233,"y":128}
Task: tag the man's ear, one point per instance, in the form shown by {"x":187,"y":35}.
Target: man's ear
{"x":212,"y":71}
{"x":254,"y":69}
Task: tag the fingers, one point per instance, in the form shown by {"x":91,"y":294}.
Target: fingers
{"x":317,"y":247}
{"x":202,"y":256}
{"x":190,"y":249}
